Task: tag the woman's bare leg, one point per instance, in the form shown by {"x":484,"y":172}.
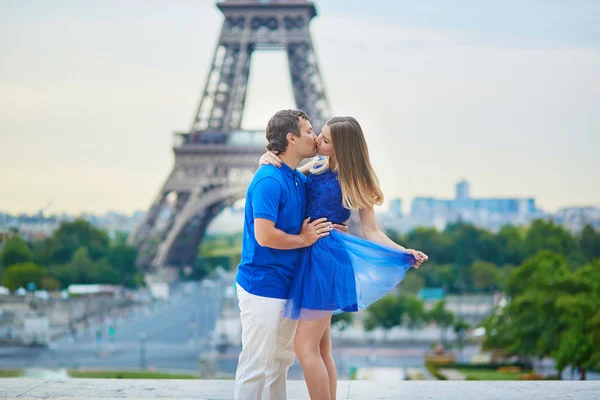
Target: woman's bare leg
{"x":327,"y":356}
{"x":307,"y":348}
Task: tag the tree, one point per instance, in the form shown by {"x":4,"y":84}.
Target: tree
{"x":532,"y":288}
{"x":442,"y":317}
{"x":121,"y":258}
{"x":19,"y":275}
{"x":342,"y":320}
{"x":82,"y":264}
{"x":81,"y":269}
{"x":385,"y":313}
{"x":70,"y":236}
{"x":471,"y":243}
{"x":553,"y":311}
{"x":415,"y":316}
{"x":545,"y":235}
{"x":412,"y":283}
{"x":50,"y":283}
{"x":460,"y":328}
{"x":484,"y":275}
{"x":577,"y":306}
{"x":437,"y":245}
{"x":589,"y":242}
{"x":16,"y":251}
{"x":444,"y":276}
{"x":510,"y":240}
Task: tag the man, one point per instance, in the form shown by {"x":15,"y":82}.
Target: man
{"x":275,"y":233}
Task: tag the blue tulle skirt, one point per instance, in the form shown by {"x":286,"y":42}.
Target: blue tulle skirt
{"x":342,"y":273}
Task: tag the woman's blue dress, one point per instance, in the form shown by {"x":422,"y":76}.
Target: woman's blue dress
{"x":341,"y":272}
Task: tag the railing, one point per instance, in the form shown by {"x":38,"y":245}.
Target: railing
{"x":236,"y":138}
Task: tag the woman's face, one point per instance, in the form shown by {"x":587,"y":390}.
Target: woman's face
{"x":324,"y":143}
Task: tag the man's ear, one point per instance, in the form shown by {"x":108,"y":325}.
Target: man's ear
{"x":291,"y":138}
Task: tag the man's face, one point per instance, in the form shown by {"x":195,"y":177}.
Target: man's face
{"x":305,"y":144}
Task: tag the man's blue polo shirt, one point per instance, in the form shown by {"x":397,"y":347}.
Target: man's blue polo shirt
{"x":279,"y":195}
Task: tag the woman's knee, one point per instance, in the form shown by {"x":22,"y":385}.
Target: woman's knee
{"x":305,"y":348}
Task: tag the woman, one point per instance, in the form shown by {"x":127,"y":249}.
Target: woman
{"x":340,"y":272}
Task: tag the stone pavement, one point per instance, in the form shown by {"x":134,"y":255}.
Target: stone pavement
{"x":138,"y":389}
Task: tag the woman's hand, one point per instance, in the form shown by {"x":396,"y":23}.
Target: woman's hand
{"x":420,"y":257}
{"x":269,"y":158}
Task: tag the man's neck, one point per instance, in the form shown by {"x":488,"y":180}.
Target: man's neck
{"x":291,"y":160}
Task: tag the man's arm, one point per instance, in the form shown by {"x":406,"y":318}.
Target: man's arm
{"x":268,"y":236}
{"x":266,"y":196}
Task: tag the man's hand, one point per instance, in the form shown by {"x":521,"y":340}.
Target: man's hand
{"x":342,"y":228}
{"x":420,"y":257}
{"x":313,"y":231}
{"x":269,"y":158}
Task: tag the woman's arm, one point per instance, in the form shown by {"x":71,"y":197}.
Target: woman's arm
{"x":305,"y":169}
{"x":271,"y":158}
{"x":372,"y":233}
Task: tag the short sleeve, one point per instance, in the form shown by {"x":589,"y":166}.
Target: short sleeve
{"x":266,"y":196}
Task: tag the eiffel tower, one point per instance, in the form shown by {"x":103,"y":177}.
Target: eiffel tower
{"x":215,"y":160}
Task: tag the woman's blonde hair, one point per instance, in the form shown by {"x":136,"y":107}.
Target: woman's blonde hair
{"x":359,"y":183}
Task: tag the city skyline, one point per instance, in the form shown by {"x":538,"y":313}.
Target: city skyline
{"x":93,"y":94}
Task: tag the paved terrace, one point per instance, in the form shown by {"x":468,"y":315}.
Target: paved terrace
{"x":23,"y":388}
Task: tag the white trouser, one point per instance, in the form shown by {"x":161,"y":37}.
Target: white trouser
{"x":267,"y":348}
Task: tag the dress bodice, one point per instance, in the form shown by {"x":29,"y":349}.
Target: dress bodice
{"x":324,"y":197}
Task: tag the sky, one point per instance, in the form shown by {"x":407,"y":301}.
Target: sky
{"x":505,"y":94}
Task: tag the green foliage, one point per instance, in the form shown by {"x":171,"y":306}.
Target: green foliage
{"x":413,"y":283}
{"x":342,"y":320}
{"x":15,"y":251}
{"x":461,"y":257}
{"x":71,"y":236}
{"x":77,"y":252}
{"x":415,"y":316}
{"x":589,"y":242}
{"x":50,"y":283}
{"x":545,"y":235}
{"x":396,"y":310}
{"x":484,"y":275}
{"x":217,"y":251}
{"x":19,"y":275}
{"x":442,"y":317}
{"x":510,"y":240}
{"x":577,"y":304}
{"x":385,"y":313}
{"x":437,"y":245}
{"x":471,"y":243}
{"x":553,"y":312}
{"x":122,"y":259}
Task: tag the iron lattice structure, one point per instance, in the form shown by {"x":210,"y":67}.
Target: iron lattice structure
{"x":215,"y":160}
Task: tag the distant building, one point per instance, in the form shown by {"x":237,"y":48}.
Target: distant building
{"x":574,"y":219}
{"x":462,"y":190}
{"x":39,"y":226}
{"x":491,"y":213}
{"x":396,"y":207}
